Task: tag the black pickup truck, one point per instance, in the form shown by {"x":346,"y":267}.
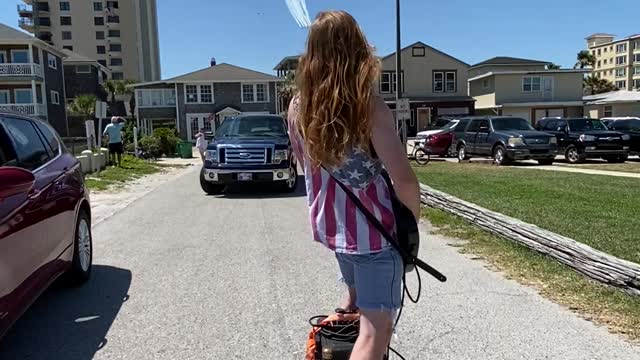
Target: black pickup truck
{"x":251,"y":148}
{"x":583,"y":138}
{"x":505,"y":138}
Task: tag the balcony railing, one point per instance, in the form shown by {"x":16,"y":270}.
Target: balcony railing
{"x":24,"y":109}
{"x":18,"y":70}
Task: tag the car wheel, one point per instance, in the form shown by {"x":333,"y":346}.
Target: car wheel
{"x":572,"y":155}
{"x":451,"y":151}
{"x":545,"y":161}
{"x":209,"y":188}
{"x":500,"y":155}
{"x":422,"y":157}
{"x":291,"y":183}
{"x":82,"y":251}
{"x":462,"y":153}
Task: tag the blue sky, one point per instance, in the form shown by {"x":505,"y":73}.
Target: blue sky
{"x":258,"y":33}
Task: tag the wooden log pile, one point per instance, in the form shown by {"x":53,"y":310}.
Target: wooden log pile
{"x":595,"y":264}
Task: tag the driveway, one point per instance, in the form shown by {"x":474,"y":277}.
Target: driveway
{"x":181,"y":275}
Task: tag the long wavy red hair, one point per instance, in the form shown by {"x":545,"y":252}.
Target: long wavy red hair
{"x":335,"y":79}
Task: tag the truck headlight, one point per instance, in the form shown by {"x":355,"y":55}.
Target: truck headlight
{"x":626,"y":137}
{"x":584,"y":137}
{"x":211,"y":155}
{"x":280,"y":155}
{"x":553,"y":140}
{"x":515,"y":141}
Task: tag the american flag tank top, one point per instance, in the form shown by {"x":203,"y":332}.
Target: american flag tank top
{"x":336,"y":222}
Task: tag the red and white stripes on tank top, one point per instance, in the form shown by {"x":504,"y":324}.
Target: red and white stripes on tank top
{"x":336,"y":222}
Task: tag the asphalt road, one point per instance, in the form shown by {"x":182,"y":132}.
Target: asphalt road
{"x":181,"y":275}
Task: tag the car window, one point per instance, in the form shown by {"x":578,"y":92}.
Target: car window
{"x":29,"y":148}
{"x":511,"y":123}
{"x":586,"y":125}
{"x":626,"y":125}
{"x":550,"y":125}
{"x":560,"y":125}
{"x":50,"y":138}
{"x":461,"y":125}
{"x":485,"y":124}
{"x":7,"y":155}
{"x":473,"y":127}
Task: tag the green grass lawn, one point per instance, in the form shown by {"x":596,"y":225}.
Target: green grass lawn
{"x":597,"y":210}
{"x":632,"y":167}
{"x":132,"y":168}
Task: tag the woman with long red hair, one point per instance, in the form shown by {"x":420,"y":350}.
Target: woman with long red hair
{"x":342,"y":131}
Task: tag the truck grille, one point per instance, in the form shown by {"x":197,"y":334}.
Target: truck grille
{"x":536,"y":140}
{"x":245,"y":155}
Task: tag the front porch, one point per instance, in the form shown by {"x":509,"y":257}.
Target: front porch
{"x":24,"y":98}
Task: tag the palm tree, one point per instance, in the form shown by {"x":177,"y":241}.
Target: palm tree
{"x":83,"y":105}
{"x":288,"y":90}
{"x":585,"y":59}
{"x":553,"y":66}
{"x":598,"y":86}
{"x":110,"y":86}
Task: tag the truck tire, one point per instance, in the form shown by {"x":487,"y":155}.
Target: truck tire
{"x":573,"y":156}
{"x":462,"y":153}
{"x":500,"y":155}
{"x":209,"y":188}
{"x":291,"y":184}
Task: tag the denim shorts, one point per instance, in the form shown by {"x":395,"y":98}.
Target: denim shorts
{"x":376,"y":277}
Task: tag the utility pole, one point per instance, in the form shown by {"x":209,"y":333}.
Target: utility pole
{"x":403,"y":126}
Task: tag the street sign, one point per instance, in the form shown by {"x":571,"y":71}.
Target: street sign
{"x":403,"y":111}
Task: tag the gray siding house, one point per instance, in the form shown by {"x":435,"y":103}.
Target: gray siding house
{"x":204,"y":98}
{"x":83,"y":75}
{"x":31,"y":78}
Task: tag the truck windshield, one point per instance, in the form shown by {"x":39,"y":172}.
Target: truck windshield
{"x":511,"y":124}
{"x":252,"y":126}
{"x":586,"y":124}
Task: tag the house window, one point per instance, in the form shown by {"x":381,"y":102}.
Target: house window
{"x":206,"y":94}
{"x":66,"y":35}
{"x":83,"y":69}
{"x":531,"y":84}
{"x":621,"y":72}
{"x":52,"y":61}
{"x":68,"y":47}
{"x":112,"y":4}
{"x":55,"y":97}
{"x":113,"y":19}
{"x":116,"y":62}
{"x":97,"y":6}
{"x":636,"y":45}
{"x":418,"y":51}
{"x":199,"y":94}
{"x":114,"y":33}
{"x":485,"y":84}
{"x":621,"y":84}
{"x":156,"y":97}
{"x":65,"y":20}
{"x":598,"y":65}
{"x":620,"y":48}
{"x":255,"y":93}
{"x":103,"y":62}
{"x":636,"y":84}
{"x":23,"y":96}
{"x":99,"y":35}
{"x":65,"y":6}
{"x":608,"y":110}
{"x":621,"y":60}
{"x":3,"y":57}
{"x":385,"y":83}
{"x":117,"y":76}
{"x":599,"y":52}
{"x":98,"y":20}
{"x":637,"y":70}
{"x":636,"y":58}
{"x":605,"y":61}
{"x":115,"y":47}
{"x":4,"y":96}
{"x":444,"y":81}
{"x":20,"y":56}
{"x":101,"y":49}
{"x":605,"y":49}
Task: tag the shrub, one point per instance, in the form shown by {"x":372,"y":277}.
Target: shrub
{"x":168,"y":140}
{"x":152,"y":145}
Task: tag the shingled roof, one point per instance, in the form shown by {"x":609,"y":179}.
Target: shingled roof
{"x":506,"y":60}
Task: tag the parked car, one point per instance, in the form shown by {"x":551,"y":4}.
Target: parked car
{"x":627,"y":125}
{"x":446,"y":125}
{"x":584,"y":138}
{"x":252,"y":148}
{"x":505,"y":139}
{"x":45,"y":215}
{"x":443,"y":143}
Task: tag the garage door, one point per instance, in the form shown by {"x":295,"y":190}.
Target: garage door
{"x":521,"y":114}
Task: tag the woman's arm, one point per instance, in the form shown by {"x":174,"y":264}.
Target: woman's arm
{"x":393,"y":155}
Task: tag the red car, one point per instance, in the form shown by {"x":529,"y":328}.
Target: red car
{"x":440,"y":144}
{"x":45,"y":215}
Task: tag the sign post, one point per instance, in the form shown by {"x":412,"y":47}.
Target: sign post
{"x":403,"y":114}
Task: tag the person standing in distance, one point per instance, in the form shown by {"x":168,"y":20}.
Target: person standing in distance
{"x":114,"y":132}
{"x":342,"y":131}
{"x":201,"y":143}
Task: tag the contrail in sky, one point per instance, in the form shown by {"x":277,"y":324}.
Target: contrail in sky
{"x":298,"y":9}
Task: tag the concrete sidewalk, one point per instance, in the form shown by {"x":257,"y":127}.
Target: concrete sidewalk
{"x":582,"y":170}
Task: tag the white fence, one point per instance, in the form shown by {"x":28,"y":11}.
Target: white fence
{"x":24,"y":109}
{"x":14,"y":70}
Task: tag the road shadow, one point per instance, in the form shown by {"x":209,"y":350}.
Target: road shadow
{"x":69,"y":323}
{"x":262,"y":191}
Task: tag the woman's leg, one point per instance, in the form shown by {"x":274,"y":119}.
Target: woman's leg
{"x":348,"y":278}
{"x":378,"y":283}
